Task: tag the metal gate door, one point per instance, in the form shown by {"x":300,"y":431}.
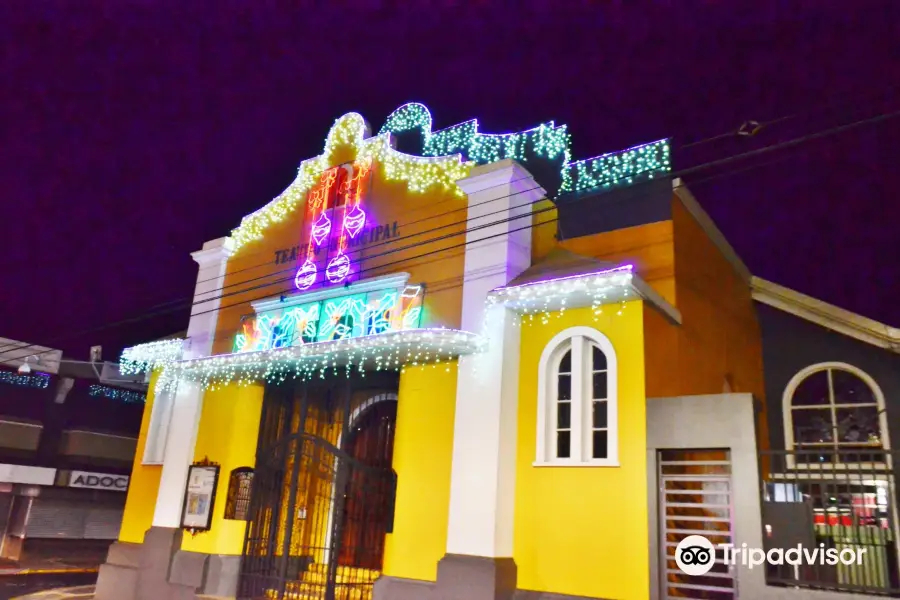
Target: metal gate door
{"x":318,"y":514}
{"x":695,"y":499}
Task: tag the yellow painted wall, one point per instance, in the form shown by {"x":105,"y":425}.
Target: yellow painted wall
{"x":583,"y":530}
{"x":144,"y":483}
{"x":423,"y":452}
{"x":229,"y":426}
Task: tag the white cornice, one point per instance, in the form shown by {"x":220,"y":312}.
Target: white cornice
{"x":214,"y":251}
{"x":501,"y":172}
{"x":709,"y":227}
{"x":826,"y":315}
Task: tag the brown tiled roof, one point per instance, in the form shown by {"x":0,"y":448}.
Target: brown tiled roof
{"x":560,"y":263}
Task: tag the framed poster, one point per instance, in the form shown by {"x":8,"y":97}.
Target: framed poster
{"x":200,"y":496}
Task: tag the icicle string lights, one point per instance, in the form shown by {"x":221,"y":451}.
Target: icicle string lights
{"x":547,"y":141}
{"x":380,"y":352}
{"x":556,"y":295}
{"x":145,"y":358}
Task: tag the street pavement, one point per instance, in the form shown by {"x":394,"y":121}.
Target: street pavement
{"x":48,"y":586}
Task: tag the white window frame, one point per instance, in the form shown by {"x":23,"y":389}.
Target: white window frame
{"x":578,"y":339}
{"x":788,"y":415}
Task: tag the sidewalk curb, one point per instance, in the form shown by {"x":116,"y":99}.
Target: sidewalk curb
{"x":6,"y":572}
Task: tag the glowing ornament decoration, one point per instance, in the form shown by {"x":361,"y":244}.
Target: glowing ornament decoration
{"x":338,"y":268}
{"x":321,"y":229}
{"x":306,"y":275}
{"x":354,"y":219}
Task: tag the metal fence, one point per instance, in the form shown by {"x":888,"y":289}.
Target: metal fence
{"x":837,"y":510}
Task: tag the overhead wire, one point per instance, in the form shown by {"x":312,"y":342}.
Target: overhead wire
{"x":832,"y":104}
{"x":703,"y":166}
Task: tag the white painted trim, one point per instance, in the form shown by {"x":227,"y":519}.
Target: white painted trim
{"x":109,"y":435}
{"x":791,"y":388}
{"x":580,"y":408}
{"x":354,"y":417}
{"x":645,"y":291}
{"x":374,"y":284}
{"x":826,"y":315}
{"x":709,"y":227}
{"x":27,"y":475}
{"x":21,"y":423}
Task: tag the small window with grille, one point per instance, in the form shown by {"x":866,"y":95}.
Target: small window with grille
{"x":237,"y":505}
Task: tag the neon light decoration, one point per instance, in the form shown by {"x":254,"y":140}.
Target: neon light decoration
{"x":345,"y":317}
{"x":338,"y":186}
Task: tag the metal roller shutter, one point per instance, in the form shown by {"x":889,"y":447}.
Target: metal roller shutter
{"x":103,"y":523}
{"x":55,"y":519}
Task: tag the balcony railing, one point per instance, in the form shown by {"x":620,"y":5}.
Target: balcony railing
{"x":838,"y":501}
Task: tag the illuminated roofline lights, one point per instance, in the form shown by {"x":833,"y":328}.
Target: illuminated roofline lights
{"x":623,"y":167}
{"x":419,"y":173}
{"x":441,"y":165}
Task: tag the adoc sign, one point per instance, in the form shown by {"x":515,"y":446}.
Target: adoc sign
{"x":98,"y":481}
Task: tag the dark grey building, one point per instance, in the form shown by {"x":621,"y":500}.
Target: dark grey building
{"x":832,"y":382}
{"x":68,"y":433}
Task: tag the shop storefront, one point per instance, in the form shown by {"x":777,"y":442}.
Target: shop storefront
{"x":40,"y":504}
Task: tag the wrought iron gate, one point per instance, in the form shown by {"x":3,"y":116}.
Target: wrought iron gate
{"x":322,"y":497}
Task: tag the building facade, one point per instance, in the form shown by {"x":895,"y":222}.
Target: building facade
{"x":453,"y":365}
{"x":67,"y":440}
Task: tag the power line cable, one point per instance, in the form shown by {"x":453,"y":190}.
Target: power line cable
{"x":703,"y":166}
{"x":748,"y":128}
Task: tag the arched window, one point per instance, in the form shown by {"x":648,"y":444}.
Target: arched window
{"x":577,"y":417}
{"x":237,"y":503}
{"x":837,"y":411}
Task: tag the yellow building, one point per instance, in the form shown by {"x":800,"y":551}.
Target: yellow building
{"x":431,"y":373}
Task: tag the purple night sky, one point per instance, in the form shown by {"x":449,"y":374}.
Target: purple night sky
{"x":132,"y":132}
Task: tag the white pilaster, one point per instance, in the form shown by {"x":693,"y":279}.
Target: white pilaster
{"x":213,"y":261}
{"x":498,"y":248}
{"x":187,"y":400}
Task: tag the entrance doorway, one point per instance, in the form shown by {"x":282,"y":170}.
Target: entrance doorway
{"x":323,"y":491}
{"x":367,"y":513}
